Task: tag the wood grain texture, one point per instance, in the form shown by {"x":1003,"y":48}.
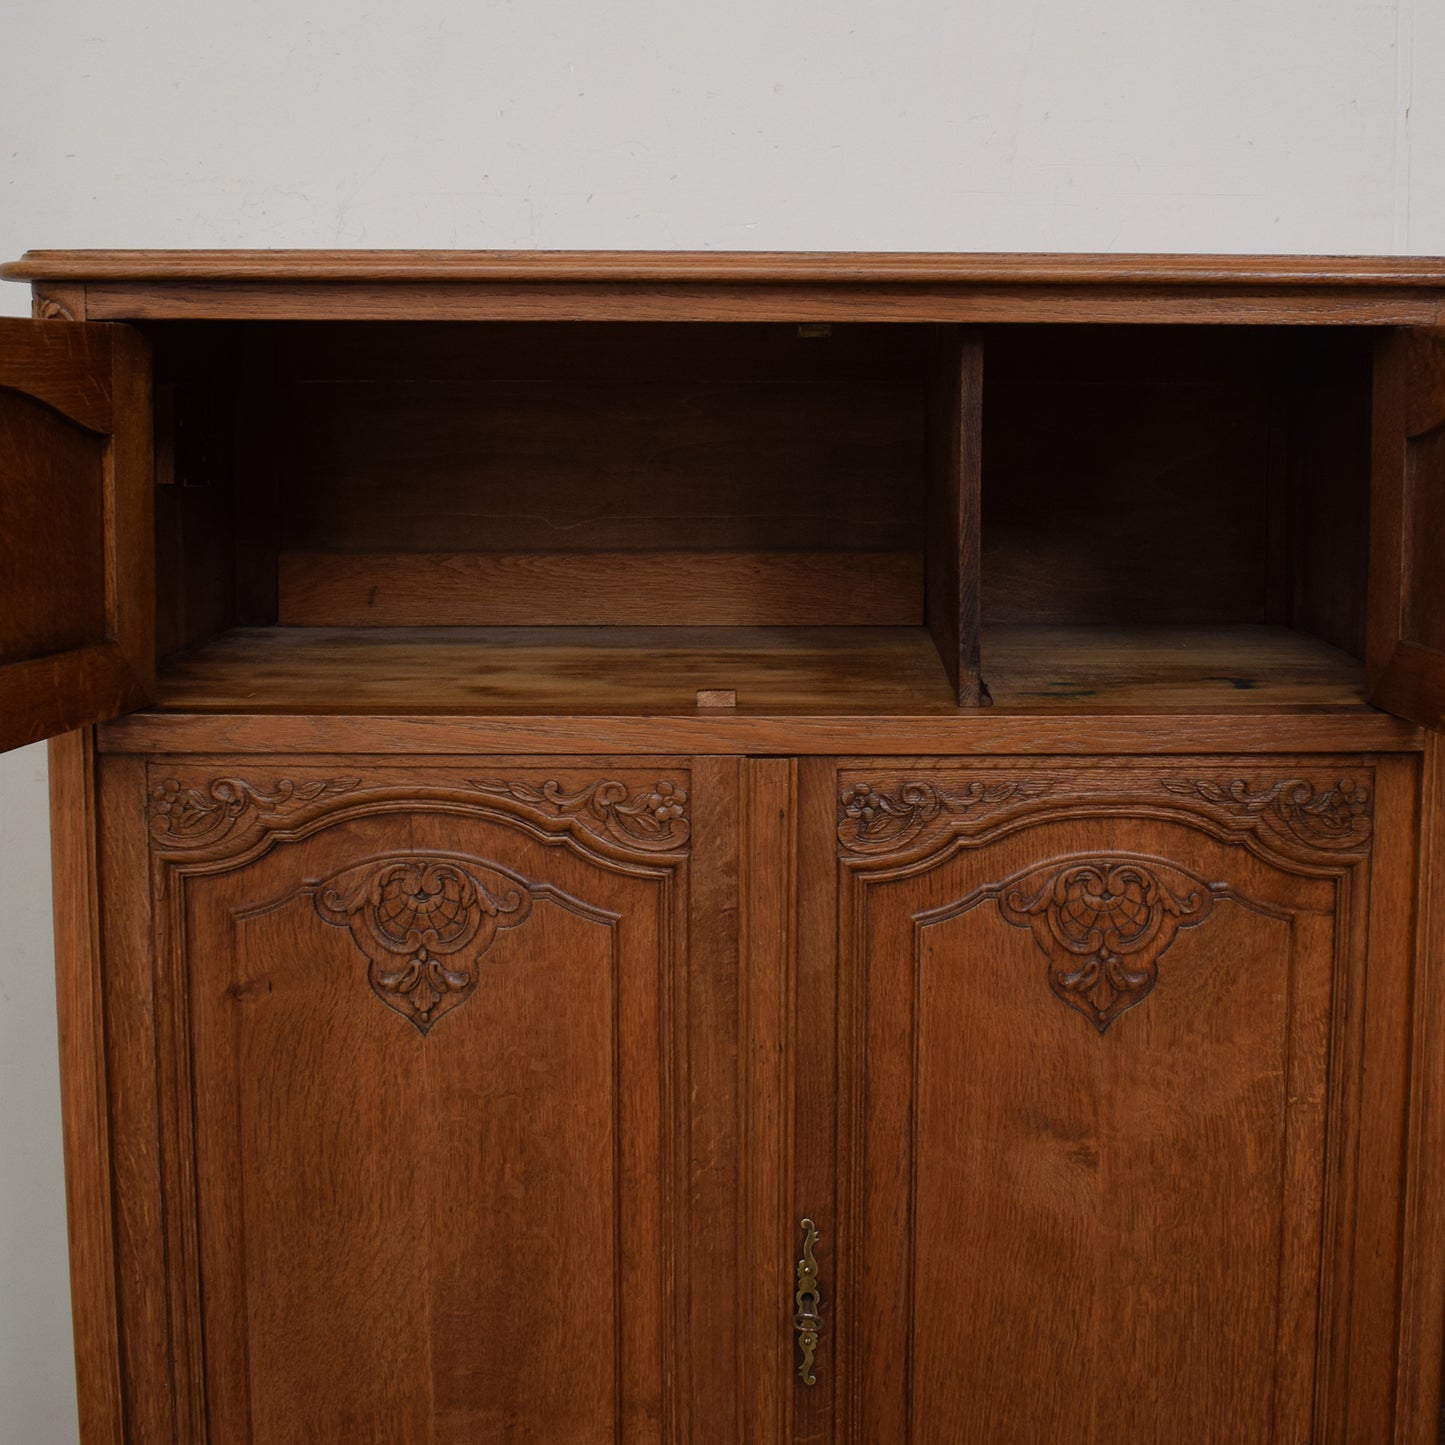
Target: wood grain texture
{"x":622,"y":1155}
{"x":155,"y":1290}
{"x":76,"y":603}
{"x":1364,"y":1399}
{"x":963,"y":303}
{"x":601,"y":589}
{"x":823,"y":1075}
{"x":714,"y":730}
{"x":880,"y":671}
{"x":757,"y":267}
{"x":1405,"y":657}
{"x":955,"y":423}
{"x":1142,"y":474}
{"x":85,"y":1101}
{"x":984,"y":1154}
{"x":1422,"y":1330}
{"x":768,"y":910}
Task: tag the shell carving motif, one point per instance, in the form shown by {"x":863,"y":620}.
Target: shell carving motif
{"x":1103,"y":925}
{"x":423,"y":923}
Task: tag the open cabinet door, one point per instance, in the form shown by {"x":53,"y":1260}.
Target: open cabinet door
{"x":76,"y":576}
{"x":1405,"y":656}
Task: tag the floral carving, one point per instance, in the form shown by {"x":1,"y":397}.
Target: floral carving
{"x":1103,"y":925}
{"x":422,"y":923}
{"x":655,"y":819}
{"x":1334,"y":817}
{"x":190,"y":817}
{"x":871,"y":819}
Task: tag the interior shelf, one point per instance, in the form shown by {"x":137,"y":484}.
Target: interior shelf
{"x":617,"y":671}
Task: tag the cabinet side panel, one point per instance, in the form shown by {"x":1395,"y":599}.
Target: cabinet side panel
{"x":84,"y":1088}
{"x":1422,"y":1266}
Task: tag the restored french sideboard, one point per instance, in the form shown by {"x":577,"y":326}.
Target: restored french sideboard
{"x":740,"y":848}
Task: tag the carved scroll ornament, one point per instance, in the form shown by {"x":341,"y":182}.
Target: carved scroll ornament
{"x":1335,"y":817}
{"x":654,"y":818}
{"x":1103,"y":925}
{"x":184,"y":817}
{"x":423,"y":923}
{"x":874,"y":819}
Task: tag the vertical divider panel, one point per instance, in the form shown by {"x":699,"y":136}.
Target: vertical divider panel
{"x":955,"y":449}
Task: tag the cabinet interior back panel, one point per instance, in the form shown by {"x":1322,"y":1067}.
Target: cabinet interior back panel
{"x":518,"y":438}
{"x":1176,"y":476}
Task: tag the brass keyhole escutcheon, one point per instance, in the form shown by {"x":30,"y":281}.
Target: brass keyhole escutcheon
{"x":807,"y":1302}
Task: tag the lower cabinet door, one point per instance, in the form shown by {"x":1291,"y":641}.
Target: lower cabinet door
{"x":1117,"y":1141}
{"x":436,"y":1138}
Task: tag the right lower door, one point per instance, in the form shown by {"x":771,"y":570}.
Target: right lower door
{"x":1117,"y":1123}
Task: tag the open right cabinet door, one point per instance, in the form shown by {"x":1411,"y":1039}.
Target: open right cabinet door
{"x":1405,"y":656}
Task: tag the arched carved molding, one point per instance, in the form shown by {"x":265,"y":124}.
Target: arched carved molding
{"x":1103,"y":923}
{"x":875,"y":819}
{"x":652,"y":818}
{"x":1309,"y":828}
{"x":229,"y":822}
{"x":424,"y":922}
{"x":1329,"y":816}
{"x":199,"y":817}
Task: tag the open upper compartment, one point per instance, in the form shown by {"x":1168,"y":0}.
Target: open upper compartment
{"x":820,"y":485}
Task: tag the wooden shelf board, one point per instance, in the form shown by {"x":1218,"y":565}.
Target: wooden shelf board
{"x":658,"y":671}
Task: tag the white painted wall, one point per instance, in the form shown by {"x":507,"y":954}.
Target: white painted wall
{"x":1238,"y":125}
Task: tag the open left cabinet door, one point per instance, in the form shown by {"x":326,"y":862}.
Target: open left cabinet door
{"x":77,"y":609}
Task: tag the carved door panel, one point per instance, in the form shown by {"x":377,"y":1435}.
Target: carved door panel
{"x":76,"y":593}
{"x":442,"y":1146}
{"x":1097,"y":1171}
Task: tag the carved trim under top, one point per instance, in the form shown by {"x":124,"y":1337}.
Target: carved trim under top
{"x":1103,"y":924}
{"x":1336,"y":817}
{"x":411,"y":917}
{"x":182,"y":817}
{"x":874,"y":820}
{"x":655,"y":819}
{"x":46,"y":308}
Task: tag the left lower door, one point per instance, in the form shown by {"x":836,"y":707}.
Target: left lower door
{"x":434,"y":1136}
{"x":76,"y":582}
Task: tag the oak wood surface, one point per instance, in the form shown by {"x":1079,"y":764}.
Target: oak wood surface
{"x":1422,"y":1333}
{"x":85,"y":1101}
{"x":541,"y":438}
{"x":963,"y":303}
{"x":519,"y":1218}
{"x":758,"y":267}
{"x":800,"y":964}
{"x":650,"y":671}
{"x":953,"y":534}
{"x":600,"y":588}
{"x":1133,"y":1216}
{"x":768,"y":903}
{"x":1405,"y":654}
{"x":76,"y":608}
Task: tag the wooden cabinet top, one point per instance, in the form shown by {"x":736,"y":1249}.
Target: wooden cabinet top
{"x":733,"y":285}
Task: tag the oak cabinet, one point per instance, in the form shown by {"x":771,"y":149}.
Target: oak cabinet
{"x":815,"y":849}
